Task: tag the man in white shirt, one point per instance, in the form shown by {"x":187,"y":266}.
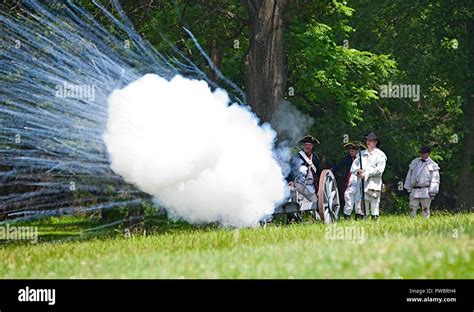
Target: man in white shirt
{"x":422,"y":182}
{"x":370,"y":175}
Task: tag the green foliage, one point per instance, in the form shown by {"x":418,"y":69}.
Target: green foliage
{"x":324,"y":73}
{"x":220,"y":28}
{"x":428,"y":41}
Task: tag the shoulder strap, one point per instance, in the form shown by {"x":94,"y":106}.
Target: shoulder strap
{"x":308,"y":161}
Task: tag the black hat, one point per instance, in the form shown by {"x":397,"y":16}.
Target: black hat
{"x":353,"y":145}
{"x":372,"y":137}
{"x":308,"y":139}
{"x":425,"y":149}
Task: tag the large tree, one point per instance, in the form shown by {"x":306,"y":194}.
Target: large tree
{"x":265,"y":63}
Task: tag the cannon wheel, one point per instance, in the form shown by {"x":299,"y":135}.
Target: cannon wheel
{"x":328,"y":197}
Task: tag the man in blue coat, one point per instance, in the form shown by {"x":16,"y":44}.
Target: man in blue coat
{"x":350,"y":183}
{"x":306,"y":169}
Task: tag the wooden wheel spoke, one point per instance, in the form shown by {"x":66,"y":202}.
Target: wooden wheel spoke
{"x":328,"y":197}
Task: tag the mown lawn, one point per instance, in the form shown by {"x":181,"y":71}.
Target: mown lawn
{"x":393,"y":247}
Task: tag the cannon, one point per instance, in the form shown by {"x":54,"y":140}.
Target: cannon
{"x":325,"y":208}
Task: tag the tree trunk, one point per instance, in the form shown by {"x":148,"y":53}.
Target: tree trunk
{"x":265,"y":64}
{"x":216,"y":59}
{"x":466,"y":180}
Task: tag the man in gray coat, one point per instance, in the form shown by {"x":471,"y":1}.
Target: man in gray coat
{"x":422,"y":182}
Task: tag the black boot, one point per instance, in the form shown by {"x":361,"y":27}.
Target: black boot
{"x":347,"y":217}
{"x":359,"y":216}
{"x":375,"y":218}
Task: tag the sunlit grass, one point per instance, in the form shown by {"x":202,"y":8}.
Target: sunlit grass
{"x":392,"y":247}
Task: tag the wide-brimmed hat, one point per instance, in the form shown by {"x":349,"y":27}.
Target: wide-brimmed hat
{"x":372,"y":137}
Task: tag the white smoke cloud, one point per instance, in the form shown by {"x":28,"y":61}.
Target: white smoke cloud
{"x":203,"y":159}
{"x":291,"y":125}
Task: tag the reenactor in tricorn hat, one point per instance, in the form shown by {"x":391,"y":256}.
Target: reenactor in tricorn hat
{"x":422,"y":182}
{"x":350,"y":188}
{"x":306,"y":169}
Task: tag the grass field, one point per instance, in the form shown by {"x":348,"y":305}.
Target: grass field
{"x":393,"y":247}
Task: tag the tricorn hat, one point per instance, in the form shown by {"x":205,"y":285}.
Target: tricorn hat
{"x":425,"y":149}
{"x":372,"y":137}
{"x":308,"y":139}
{"x":354,"y":145}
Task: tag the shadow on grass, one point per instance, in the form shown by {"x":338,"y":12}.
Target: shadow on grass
{"x":67,"y":228}
{"x":83,"y":228}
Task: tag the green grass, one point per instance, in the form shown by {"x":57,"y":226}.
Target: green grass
{"x":393,"y":247}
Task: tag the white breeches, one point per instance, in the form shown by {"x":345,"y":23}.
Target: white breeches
{"x":350,"y":201}
{"x":372,"y":202}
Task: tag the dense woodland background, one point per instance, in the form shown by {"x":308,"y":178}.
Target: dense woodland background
{"x":329,"y":59}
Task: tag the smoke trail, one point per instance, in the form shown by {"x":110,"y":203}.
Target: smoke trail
{"x":59,"y":69}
